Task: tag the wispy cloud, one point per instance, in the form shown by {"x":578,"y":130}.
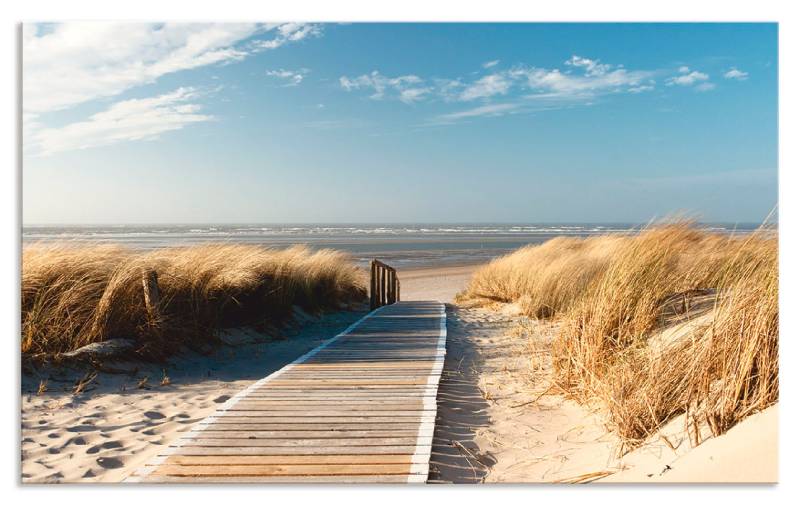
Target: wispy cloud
{"x":289,"y":32}
{"x":68,"y":64}
{"x":487,"y":86}
{"x":491,"y":110}
{"x":72,"y":63}
{"x":406,"y":88}
{"x":689,"y":77}
{"x":582,"y":80}
{"x":735,"y":73}
{"x":290,"y":77}
{"x":137,"y":119}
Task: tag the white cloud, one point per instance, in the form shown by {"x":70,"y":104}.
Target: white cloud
{"x":490,"y":110}
{"x":136,"y":119}
{"x":592,"y":67}
{"x":411,"y":95}
{"x":541,"y":83}
{"x":641,"y":89}
{"x":687,"y":78}
{"x":68,"y":64}
{"x":485,"y":87}
{"x":291,"y":77}
{"x":406,"y":88}
{"x":290,"y":32}
{"x":527,"y":89}
{"x":73,"y":63}
{"x":593,"y":82}
{"x":735,"y":73}
{"x":705,"y":86}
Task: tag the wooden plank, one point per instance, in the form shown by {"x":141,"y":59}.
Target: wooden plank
{"x":327,"y":419}
{"x":359,"y":408}
{"x":261,"y":425}
{"x":292,"y":451}
{"x":302,"y":442}
{"x":317,"y":459}
{"x":282,"y":470}
{"x":302,"y":479}
{"x":304,"y":434}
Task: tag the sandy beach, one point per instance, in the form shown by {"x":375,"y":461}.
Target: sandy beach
{"x":498,"y":420}
{"x":119,"y":422}
{"x":106,"y":432}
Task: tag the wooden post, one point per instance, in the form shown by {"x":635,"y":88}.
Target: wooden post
{"x":152,"y":296}
{"x":384,"y":285}
{"x":373,"y":270}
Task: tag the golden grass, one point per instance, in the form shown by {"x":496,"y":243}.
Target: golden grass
{"x":76,"y":295}
{"x":613,"y":297}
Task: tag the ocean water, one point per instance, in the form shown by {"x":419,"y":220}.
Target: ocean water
{"x":400,"y":245}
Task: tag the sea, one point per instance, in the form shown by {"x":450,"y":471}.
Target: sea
{"x":405,"y":246}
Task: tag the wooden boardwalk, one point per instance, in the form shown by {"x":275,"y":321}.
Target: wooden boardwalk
{"x":359,"y":408}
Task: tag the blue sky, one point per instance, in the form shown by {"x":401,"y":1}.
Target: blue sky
{"x":398,"y":122}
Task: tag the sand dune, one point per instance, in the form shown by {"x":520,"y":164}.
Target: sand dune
{"x":489,"y":427}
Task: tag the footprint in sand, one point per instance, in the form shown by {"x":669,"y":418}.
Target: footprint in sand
{"x":113,"y":444}
{"x":222,"y":399}
{"x":76,"y":441}
{"x":82,"y":428}
{"x":152,"y":414}
{"x":89,"y":473}
{"x":110,"y":463}
{"x":53,"y":435}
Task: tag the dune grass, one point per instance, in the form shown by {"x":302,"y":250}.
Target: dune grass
{"x":614,"y":296}
{"x":76,"y":295}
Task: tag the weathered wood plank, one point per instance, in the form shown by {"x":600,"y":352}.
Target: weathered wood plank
{"x":359,"y":408}
{"x":281,"y":470}
{"x":295,"y":451}
{"x":318,"y":459}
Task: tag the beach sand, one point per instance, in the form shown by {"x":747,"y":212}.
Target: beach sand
{"x":498,"y":422}
{"x":495,"y":424}
{"x":106,"y":432}
{"x":442,"y":283}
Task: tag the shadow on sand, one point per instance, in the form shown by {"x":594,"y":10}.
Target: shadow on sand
{"x":462,"y":411}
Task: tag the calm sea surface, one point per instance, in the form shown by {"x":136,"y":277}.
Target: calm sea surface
{"x":402,"y":245}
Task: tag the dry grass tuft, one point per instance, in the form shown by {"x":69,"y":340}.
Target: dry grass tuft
{"x":73,"y":296}
{"x":667,"y":321}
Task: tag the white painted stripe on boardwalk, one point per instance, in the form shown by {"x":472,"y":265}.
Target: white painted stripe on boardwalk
{"x":426,"y":427}
{"x":155,"y":462}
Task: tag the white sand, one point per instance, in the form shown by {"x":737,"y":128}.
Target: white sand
{"x":489,"y":431}
{"x":102,"y":435}
{"x":434,"y":283}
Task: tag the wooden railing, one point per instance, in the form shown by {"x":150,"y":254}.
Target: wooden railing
{"x":384,"y":286}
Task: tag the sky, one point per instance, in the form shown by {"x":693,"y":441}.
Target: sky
{"x":355,"y":123}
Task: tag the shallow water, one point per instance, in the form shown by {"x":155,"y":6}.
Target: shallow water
{"x":402,"y":245}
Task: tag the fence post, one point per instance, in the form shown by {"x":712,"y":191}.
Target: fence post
{"x":373,"y":270}
{"x":383,"y":287}
{"x":152,"y":296}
